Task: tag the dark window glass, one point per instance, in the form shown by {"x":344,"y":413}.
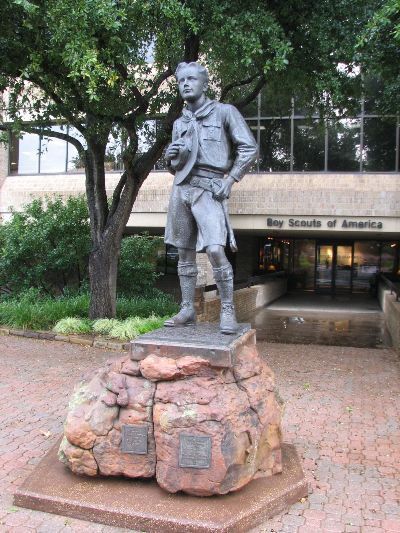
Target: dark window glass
{"x":373,"y":89}
{"x":365,"y":264}
{"x":251,"y":109}
{"x":303,"y":264}
{"x":53,"y":152}
{"x":379,"y":144}
{"x":388,"y":256}
{"x":28,"y":154}
{"x":275,"y":103}
{"x":344,"y":145}
{"x":274,"y":145}
{"x":309,"y":145}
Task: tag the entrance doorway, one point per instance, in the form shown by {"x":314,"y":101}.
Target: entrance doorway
{"x":333,"y":267}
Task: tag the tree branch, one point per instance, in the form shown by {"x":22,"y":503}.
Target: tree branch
{"x":65,"y":111}
{"x":252,"y":94}
{"x":225,"y":90}
{"x":48,"y":133}
{"x":117,"y":195}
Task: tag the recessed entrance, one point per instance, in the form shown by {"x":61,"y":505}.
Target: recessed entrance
{"x":333,"y":267}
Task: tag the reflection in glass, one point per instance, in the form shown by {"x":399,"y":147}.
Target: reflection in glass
{"x":274,"y":145}
{"x":28,"y":156}
{"x":309,"y":145}
{"x":379,"y":144}
{"x":53,"y":152}
{"x":343,"y":267}
{"x":303,"y":264}
{"x":365,"y":265}
{"x":324,"y":265}
{"x":388,"y":256}
{"x":344,"y":145}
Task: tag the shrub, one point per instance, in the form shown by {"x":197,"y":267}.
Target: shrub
{"x":73,"y":325}
{"x":46,"y":246}
{"x":137,"y":266}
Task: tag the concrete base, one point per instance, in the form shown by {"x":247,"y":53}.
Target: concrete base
{"x":144,"y":506}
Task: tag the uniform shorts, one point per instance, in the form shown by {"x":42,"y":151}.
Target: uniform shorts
{"x":195,"y":219}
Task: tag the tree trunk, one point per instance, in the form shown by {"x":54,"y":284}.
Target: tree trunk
{"x":103,"y":265}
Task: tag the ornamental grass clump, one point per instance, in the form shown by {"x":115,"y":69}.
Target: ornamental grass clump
{"x":103,"y":326}
{"x":70,"y":325}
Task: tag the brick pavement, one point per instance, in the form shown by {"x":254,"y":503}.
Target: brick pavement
{"x":342,"y":413}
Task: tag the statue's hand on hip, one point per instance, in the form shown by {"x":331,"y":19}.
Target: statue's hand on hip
{"x":225,"y":191}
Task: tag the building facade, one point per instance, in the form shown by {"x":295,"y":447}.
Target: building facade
{"x":322,"y":202}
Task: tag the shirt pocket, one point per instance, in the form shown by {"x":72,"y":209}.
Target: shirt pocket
{"x":210,"y":131}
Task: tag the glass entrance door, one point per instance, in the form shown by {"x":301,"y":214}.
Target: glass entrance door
{"x":333,"y":267}
{"x":324,"y":267}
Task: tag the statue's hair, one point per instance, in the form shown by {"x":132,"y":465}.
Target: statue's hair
{"x":200,"y":69}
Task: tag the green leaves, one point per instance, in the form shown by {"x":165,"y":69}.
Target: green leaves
{"x":46,"y":246}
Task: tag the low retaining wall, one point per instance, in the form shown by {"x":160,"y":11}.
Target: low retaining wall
{"x":391,"y":309}
{"x":247,"y":300}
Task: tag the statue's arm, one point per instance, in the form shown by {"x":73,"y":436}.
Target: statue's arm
{"x":168,"y":156}
{"x":243,"y":142}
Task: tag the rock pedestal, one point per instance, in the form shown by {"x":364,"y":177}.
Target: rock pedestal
{"x":189,"y":406}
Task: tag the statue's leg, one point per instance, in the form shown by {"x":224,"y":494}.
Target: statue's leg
{"x":223,"y":275}
{"x":187,"y":272}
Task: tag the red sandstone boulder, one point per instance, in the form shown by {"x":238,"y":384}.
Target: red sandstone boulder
{"x":239,"y":415}
{"x":205,"y":430}
{"x":98,"y":409}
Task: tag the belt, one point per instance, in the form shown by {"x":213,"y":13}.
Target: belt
{"x":209,"y":184}
{"x":206,"y":173}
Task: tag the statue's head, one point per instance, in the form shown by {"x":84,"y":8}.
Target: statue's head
{"x":192,"y":80}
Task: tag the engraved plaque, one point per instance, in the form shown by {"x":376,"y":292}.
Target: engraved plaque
{"x":194,"y":451}
{"x":134,"y":439}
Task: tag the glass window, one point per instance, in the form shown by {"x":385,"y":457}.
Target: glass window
{"x":379,"y":151}
{"x":53,"y":152}
{"x":303,"y":264}
{"x":388,"y":256}
{"x":344,"y":145}
{"x":309,"y":145}
{"x":113,"y":156}
{"x":365,"y":264}
{"x":274,"y":145}
{"x":275,"y":103}
{"x":74,"y":162}
{"x":28,"y":154}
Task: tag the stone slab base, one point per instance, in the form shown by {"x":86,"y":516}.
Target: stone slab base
{"x":144,"y":506}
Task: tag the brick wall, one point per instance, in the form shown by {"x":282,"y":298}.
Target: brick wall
{"x":257,"y":194}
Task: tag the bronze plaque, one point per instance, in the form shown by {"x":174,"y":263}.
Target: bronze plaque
{"x":134,"y":439}
{"x":194,"y":451}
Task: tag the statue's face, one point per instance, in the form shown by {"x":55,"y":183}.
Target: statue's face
{"x":191,"y":84}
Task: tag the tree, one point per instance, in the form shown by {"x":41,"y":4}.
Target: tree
{"x":87,"y":62}
{"x":379,"y":50}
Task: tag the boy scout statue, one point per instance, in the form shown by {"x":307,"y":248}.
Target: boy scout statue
{"x":212,"y":148}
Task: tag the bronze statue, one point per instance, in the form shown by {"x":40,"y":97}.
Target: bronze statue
{"x":212,"y":148}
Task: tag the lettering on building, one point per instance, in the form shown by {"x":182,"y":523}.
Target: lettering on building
{"x":280,"y":223}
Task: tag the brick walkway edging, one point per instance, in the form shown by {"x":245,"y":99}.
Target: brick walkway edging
{"x":85,"y":340}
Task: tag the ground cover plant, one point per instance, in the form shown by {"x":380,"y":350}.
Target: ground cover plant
{"x":29,"y":310}
{"x":113,"y":328}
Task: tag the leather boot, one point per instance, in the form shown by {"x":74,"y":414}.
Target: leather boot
{"x":224,"y":279}
{"x":187,"y":278}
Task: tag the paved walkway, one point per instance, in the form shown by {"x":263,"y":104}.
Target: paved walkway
{"x":342,"y":413}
